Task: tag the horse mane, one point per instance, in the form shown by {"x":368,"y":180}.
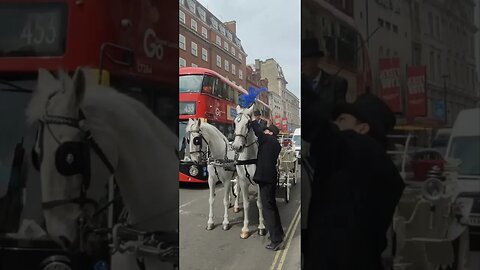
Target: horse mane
{"x":36,"y":108}
{"x":206,"y":127}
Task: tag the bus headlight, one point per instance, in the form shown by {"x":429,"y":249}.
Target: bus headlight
{"x":193,"y":170}
{"x":432,"y":189}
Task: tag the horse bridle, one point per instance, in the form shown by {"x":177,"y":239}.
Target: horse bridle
{"x":244,"y":136}
{"x":198,"y":141}
{"x":71,"y":157}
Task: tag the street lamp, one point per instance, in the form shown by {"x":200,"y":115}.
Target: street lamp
{"x":445,"y":77}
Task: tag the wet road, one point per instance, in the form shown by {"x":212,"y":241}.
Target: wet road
{"x":218,"y":249}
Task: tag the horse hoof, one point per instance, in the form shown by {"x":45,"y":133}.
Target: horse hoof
{"x":236,"y":209}
{"x":226,"y":227}
{"x":244,"y":235}
{"x":262,"y":232}
{"x":209,"y":227}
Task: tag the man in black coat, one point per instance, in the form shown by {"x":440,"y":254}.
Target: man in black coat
{"x":355,"y":189}
{"x":317,"y":83}
{"x":262,"y":122}
{"x":266,"y":177}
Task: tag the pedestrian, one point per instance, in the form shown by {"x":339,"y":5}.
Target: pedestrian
{"x":355,"y":187}
{"x":317,"y":83}
{"x":266,"y":177}
{"x":261,"y":121}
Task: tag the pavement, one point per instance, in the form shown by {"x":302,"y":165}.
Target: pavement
{"x":217,"y":249}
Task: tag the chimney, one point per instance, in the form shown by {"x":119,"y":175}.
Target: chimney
{"x":232,"y":26}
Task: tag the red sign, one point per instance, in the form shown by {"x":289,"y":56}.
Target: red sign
{"x":390,"y":90}
{"x":278,"y":123}
{"x":284,"y":124}
{"x":416,"y":95}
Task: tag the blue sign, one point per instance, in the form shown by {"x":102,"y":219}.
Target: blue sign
{"x":438,"y":109}
{"x":233,"y":112}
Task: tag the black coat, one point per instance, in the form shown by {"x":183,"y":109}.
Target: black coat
{"x":268,"y":151}
{"x":355,"y":190}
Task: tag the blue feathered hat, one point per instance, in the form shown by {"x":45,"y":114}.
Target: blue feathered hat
{"x":245,"y":100}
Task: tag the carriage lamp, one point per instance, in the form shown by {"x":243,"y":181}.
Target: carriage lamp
{"x":193,"y":170}
{"x":432,"y":189}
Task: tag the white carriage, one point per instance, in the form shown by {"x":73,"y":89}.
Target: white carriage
{"x":287,"y":164}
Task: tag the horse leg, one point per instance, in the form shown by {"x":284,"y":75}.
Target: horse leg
{"x":211,"y":199}
{"x":226,"y":203}
{"x":244,"y":187}
{"x":261,"y":225}
{"x":237,"y":189}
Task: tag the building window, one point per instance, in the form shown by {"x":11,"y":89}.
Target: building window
{"x":388,"y":52}
{"x":439,"y":65}
{"x":194,"y":48}
{"x":181,"y":16}
{"x":181,"y":42}
{"x":203,"y":14}
{"x":194,"y":65}
{"x":395,"y":28}
{"x":193,"y":24}
{"x":227,"y":65}
{"x":437,"y":25}
{"x":182,"y":62}
{"x":432,"y":65}
{"x":219,"y":41}
{"x":380,"y":51}
{"x":240,"y":56}
{"x":430,"y":23}
{"x":387,"y":25}
{"x":240,"y":74}
{"x":191,"y":6}
{"x":380,"y":22}
{"x":233,"y":51}
{"x":204,"y":55}
{"x":225,"y":45}
{"x":204,"y":32}
{"x":234,"y":71}
{"x":182,"y":2}
{"x":219,"y":61}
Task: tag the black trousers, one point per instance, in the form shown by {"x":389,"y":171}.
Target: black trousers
{"x":270,"y":211}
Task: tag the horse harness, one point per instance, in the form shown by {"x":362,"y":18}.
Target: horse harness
{"x":248,"y":161}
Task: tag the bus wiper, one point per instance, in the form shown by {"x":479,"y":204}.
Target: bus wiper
{"x":15,"y":88}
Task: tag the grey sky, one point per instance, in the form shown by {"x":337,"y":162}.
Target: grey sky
{"x":267,"y":29}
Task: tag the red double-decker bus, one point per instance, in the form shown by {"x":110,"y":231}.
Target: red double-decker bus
{"x":207,"y":95}
{"x":131,"y":45}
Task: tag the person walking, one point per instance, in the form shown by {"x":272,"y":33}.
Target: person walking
{"x":266,"y":177}
{"x":355,"y":187}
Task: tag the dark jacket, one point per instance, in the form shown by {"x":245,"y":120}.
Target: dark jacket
{"x":268,"y":151}
{"x":355,"y":190}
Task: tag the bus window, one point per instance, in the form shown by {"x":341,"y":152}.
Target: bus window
{"x":190,"y":83}
{"x":219,"y":89}
{"x":230,"y":95}
{"x":226,"y":89}
{"x":209,"y":84}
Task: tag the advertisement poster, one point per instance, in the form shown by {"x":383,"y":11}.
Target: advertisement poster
{"x":390,"y":90}
{"x":416,"y":91}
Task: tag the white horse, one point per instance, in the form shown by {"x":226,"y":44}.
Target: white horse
{"x":136,"y":147}
{"x":246,"y":145}
{"x":208,"y":144}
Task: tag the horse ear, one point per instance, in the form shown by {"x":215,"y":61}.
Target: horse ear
{"x":199,"y":122}
{"x":238,"y":108}
{"x":79,"y":85}
{"x":45,"y":79}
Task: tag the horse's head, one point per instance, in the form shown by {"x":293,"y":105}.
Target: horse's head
{"x":242,"y":127}
{"x":197,"y":144}
{"x":61,"y":154}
